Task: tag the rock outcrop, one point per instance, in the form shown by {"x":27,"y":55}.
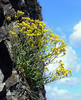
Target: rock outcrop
{"x":13,"y":86}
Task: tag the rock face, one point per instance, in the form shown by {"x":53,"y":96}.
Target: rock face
{"x":13,"y":86}
{"x":8,"y":8}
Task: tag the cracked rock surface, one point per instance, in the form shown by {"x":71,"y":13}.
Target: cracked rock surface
{"x":12,"y":85}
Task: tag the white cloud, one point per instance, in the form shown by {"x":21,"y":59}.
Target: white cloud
{"x":62,"y":94}
{"x":70,"y":59}
{"x":72,"y":81}
{"x":78,"y":67}
{"x":59,"y":92}
{"x":75,"y":37}
{"x":48,"y":88}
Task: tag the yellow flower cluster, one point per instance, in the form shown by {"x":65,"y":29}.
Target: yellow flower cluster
{"x":13,"y":33}
{"x":38,"y":37}
{"x":25,"y":18}
{"x":62,"y":71}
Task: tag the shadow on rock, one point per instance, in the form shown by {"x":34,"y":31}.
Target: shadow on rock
{"x":6,"y":63}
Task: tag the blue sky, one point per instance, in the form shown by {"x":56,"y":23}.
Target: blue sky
{"x":64,"y":18}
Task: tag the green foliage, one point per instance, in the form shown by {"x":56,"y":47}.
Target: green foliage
{"x":34,"y":47}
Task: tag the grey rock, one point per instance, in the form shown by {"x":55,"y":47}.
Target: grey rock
{"x":3,"y":33}
{"x":13,"y":86}
{"x":5,"y":1}
{"x":8,"y":93}
{"x":2,"y":86}
{"x":1,"y":81}
{"x":1,"y":76}
{"x":3,"y":94}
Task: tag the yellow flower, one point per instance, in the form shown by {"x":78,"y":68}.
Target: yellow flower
{"x":46,"y":69}
{"x":20,"y":12}
{"x":14,"y":26}
{"x":54,"y":76}
{"x":64,"y":44}
{"x":25,"y":18}
{"x":11,"y":32}
{"x":40,"y":56}
{"x":50,"y":38}
{"x":24,"y":24}
{"x":25,"y":32}
{"x":8,"y":18}
{"x":40,"y":25}
{"x":65,"y":74}
{"x":49,"y":55}
{"x":43,"y":59}
{"x":50,"y":31}
{"x":61,"y":63}
{"x":56,"y":36}
{"x":15,"y":16}
{"x":24,"y":28}
{"x":53,"y":35}
{"x":44,"y":25}
{"x":32,"y":45}
{"x":29,"y":31}
{"x":46,"y":46}
{"x":21,"y":30}
{"x":56,"y":39}
{"x":70,"y":71}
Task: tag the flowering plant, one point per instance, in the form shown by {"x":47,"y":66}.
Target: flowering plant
{"x":33,"y":47}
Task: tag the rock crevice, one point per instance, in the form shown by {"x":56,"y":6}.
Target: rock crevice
{"x":12,"y":85}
